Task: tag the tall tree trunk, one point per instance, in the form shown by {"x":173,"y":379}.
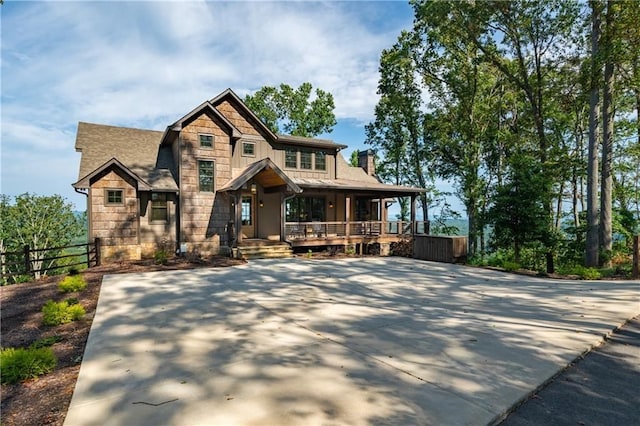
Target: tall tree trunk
{"x":591,"y":258}
{"x":606,"y":182}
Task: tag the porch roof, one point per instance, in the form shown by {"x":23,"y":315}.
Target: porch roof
{"x":347,"y":185}
{"x":266,"y":173}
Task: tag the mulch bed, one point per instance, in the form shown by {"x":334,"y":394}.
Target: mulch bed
{"x":44,"y":401}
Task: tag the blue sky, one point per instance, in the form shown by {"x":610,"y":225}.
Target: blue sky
{"x":144,"y":64}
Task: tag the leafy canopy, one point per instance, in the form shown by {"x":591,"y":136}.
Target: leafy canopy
{"x":293,"y":111}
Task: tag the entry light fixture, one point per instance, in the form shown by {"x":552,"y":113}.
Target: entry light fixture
{"x":261,"y":203}
{"x":254,"y":188}
{"x":330,"y":204}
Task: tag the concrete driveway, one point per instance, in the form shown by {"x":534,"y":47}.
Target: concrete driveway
{"x":349,"y":341}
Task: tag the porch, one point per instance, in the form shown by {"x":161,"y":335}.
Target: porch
{"x":307,"y":234}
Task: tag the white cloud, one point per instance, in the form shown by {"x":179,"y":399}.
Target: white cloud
{"x":147,"y":63}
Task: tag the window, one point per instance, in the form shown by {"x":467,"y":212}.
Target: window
{"x":114,"y":196}
{"x":206,"y":141}
{"x":248,"y":149}
{"x":305,"y":160}
{"x":205,"y":176}
{"x":246,"y":210}
{"x":306,"y":209}
{"x":321,"y":160}
{"x":159,"y":211}
{"x":291,"y":158}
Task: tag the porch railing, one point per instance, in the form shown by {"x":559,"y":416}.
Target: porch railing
{"x":326,"y":230}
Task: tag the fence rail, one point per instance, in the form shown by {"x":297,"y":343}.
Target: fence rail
{"x":33,"y":262}
{"x":326,"y":230}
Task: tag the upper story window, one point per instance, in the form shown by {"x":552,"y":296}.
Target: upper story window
{"x":291,"y":158}
{"x":320,"y":160}
{"x":206,"y":176}
{"x":114,"y":196}
{"x":305,"y":160}
{"x":159,"y":210}
{"x":248,"y":149}
{"x":206,"y":141}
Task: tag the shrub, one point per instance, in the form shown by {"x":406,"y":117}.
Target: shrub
{"x":589,"y":274}
{"x":21,"y":364}
{"x":161,"y":257}
{"x":510,"y":266}
{"x":72,"y":283}
{"x":56,"y":313}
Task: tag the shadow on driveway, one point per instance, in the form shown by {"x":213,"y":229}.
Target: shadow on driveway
{"x":350,"y":341}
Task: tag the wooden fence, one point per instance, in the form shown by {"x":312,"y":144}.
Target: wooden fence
{"x":34,"y":262}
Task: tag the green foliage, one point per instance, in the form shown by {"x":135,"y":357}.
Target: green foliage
{"x":22,"y":364}
{"x":72,"y":283}
{"x":45,"y":342}
{"x":56,"y":313}
{"x":581,"y":271}
{"x":511,"y":266}
{"x":38,"y":222}
{"x":161,"y":257}
{"x":293,"y":111}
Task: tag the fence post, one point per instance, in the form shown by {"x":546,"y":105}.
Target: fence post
{"x":636,"y":257}
{"x":27,"y":261}
{"x":97,"y":246}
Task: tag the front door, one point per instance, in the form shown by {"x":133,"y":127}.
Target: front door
{"x":248,"y":216}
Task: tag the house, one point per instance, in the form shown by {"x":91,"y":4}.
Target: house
{"x":218,"y":179}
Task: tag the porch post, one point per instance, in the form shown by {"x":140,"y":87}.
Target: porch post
{"x":413,"y":215}
{"x":382,"y":216}
{"x":238,"y":216}
{"x":347,"y":215}
{"x":282,"y":216}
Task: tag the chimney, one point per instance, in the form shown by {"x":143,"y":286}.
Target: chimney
{"x":366,"y":161}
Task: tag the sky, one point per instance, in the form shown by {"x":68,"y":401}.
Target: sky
{"x":145,"y":64}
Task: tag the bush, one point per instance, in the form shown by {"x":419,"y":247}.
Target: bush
{"x":510,"y":266}
{"x":22,"y":364}
{"x":56,"y":313}
{"x":72,"y":283}
{"x":161,"y":257}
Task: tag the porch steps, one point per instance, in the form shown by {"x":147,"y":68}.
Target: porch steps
{"x":262,"y":250}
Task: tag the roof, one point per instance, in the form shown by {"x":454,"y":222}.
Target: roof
{"x":266,"y":172}
{"x":135,"y":150}
{"x":311,"y":142}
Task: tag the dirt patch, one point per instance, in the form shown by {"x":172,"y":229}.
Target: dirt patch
{"x":45,"y":400}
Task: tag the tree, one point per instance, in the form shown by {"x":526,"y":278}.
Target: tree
{"x":399,"y":128}
{"x":591,"y":259}
{"x":518,"y":213}
{"x":293,"y":111}
{"x":38,"y":222}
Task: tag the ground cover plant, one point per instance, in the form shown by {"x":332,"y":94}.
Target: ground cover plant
{"x":56,"y":313}
{"x":17,"y":364}
{"x":72,"y":283}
